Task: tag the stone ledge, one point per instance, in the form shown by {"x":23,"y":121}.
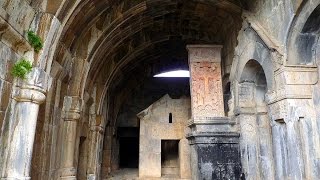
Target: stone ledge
{"x":271,"y":98}
{"x":213,"y":138}
{"x":210,"y":121}
{"x":298,"y":75}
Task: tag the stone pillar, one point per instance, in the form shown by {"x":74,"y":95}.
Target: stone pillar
{"x":106,"y":154}
{"x":205,"y":82}
{"x":249,"y":138}
{"x":184,"y":158}
{"x":265,"y":144}
{"x":213,"y":138}
{"x":94,"y":156}
{"x":16,"y":143}
{"x":293,"y":131}
{"x":294,"y":124}
{"x":71,"y":116}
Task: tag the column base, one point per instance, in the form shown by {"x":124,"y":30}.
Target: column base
{"x":215,"y":151}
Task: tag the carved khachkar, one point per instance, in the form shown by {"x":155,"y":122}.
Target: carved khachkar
{"x":215,"y":152}
{"x":205,"y":81}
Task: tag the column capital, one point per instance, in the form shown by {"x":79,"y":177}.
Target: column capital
{"x":204,"y":53}
{"x":291,"y":109}
{"x":71,"y":108}
{"x":32,"y":88}
{"x":293,"y":82}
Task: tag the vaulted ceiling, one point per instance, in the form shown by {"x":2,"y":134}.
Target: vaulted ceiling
{"x":131,"y":39}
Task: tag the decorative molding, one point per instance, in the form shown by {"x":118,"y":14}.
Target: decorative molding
{"x":213,"y":138}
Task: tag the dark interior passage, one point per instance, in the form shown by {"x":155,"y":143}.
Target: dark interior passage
{"x":129,"y":147}
{"x":129,"y":152}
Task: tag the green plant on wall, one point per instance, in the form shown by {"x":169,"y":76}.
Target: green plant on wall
{"x":21,"y":68}
{"x":35,"y":41}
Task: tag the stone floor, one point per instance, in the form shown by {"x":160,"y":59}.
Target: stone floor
{"x":124,"y":174}
{"x":132,"y":174}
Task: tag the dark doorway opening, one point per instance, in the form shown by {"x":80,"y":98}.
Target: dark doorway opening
{"x":129,"y":148}
{"x":170,"y":158}
{"x":129,"y":152}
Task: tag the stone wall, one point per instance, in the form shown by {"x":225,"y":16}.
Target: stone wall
{"x":268,"y":39}
{"x":155,"y":126}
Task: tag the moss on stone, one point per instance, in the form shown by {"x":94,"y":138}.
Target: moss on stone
{"x":21,"y":68}
{"x":35,"y":41}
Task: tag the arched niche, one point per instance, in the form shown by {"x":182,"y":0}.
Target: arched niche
{"x":303,"y":37}
{"x":252,"y":48}
{"x":254,"y":73}
{"x":255,"y":128}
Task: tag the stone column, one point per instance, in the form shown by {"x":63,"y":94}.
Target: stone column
{"x":184,"y":158}
{"x":293,"y":133}
{"x":71,"y":116}
{"x":249,"y":135}
{"x":265,"y":144}
{"x":16,"y":143}
{"x":213,"y":139}
{"x":94,"y":156}
{"x":294,"y":123}
{"x":106,"y":154}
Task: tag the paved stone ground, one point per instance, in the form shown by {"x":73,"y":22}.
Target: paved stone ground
{"x":132,"y":174}
{"x":124,"y":174}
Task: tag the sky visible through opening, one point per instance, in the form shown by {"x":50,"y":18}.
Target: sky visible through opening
{"x":177,"y":73}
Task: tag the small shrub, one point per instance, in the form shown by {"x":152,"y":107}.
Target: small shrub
{"x":21,"y":68}
{"x":35,"y":41}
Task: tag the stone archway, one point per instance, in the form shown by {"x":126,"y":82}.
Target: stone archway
{"x":255,"y":126}
{"x":303,"y":35}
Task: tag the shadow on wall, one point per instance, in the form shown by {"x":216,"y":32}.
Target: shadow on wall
{"x":307,"y":40}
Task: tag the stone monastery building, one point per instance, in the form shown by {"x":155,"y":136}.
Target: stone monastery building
{"x":79,"y":100}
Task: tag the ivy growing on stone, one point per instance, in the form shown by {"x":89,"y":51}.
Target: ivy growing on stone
{"x":35,"y":41}
{"x":21,"y":68}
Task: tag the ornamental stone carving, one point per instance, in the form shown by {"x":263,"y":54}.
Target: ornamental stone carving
{"x":206,"y":85}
